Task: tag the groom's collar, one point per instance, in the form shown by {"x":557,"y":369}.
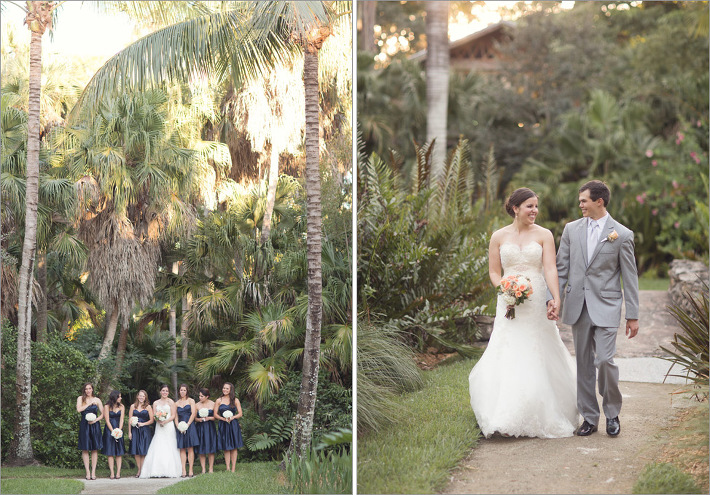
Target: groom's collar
{"x":600,"y":221}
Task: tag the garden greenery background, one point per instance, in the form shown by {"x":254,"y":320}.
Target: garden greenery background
{"x":151,"y":229}
{"x":617,"y":92}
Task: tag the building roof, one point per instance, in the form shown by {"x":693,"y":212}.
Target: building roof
{"x":421,"y":55}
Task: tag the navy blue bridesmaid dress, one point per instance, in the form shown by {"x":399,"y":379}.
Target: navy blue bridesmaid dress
{"x":230,"y":434}
{"x":207,"y":434}
{"x":189,"y":438}
{"x":141,"y":437}
{"x":90,"y":435}
{"x":113,"y":446}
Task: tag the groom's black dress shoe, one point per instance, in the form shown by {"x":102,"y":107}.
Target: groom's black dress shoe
{"x":613,"y":427}
{"x":586,"y":429}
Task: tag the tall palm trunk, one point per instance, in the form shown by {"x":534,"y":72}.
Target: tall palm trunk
{"x":39,"y":16}
{"x":184,"y":324}
{"x":172,"y":325}
{"x":42,"y":299}
{"x":303,"y":425}
{"x":271,"y":195}
{"x":367,"y":42}
{"x":121,"y":349}
{"x":111,"y":325}
{"x":437,"y":83}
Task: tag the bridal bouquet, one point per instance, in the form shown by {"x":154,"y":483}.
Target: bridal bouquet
{"x":182,"y":427}
{"x":91,"y":417}
{"x":117,"y":433}
{"x":203,"y":412}
{"x":227,"y":414}
{"x":134,"y":421}
{"x":162,"y":415}
{"x":516,"y":289}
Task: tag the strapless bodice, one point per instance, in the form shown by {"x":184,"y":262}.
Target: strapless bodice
{"x":142,"y":415}
{"x":515,"y":259}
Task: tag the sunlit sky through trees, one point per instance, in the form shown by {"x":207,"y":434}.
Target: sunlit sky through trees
{"x":463,"y":21}
{"x":81,"y":30}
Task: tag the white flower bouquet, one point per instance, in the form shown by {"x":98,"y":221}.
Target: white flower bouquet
{"x":182,"y":427}
{"x":227,"y":414}
{"x":91,"y":417}
{"x":117,"y":433}
{"x":203,"y":412}
{"x":134,"y":421}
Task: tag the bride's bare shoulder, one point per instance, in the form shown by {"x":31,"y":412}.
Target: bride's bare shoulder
{"x":500,"y":234}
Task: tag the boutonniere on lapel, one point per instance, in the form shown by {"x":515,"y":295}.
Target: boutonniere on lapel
{"x":612,"y":237}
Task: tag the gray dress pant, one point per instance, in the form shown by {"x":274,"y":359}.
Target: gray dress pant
{"x":594,"y":349}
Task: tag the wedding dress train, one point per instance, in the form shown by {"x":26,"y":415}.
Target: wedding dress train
{"x":525,"y":382}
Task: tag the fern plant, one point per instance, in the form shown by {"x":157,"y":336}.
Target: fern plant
{"x":275,"y":439}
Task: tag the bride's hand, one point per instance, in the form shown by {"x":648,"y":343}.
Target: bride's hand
{"x":552,"y":306}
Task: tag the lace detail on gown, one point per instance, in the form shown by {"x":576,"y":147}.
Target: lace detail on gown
{"x":525,"y":382}
{"x":163,"y":457}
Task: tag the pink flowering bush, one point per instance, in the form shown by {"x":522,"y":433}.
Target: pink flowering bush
{"x":666,"y":205}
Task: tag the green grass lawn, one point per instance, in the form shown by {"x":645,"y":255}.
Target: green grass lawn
{"x":648,"y":283}
{"x":40,"y":479}
{"x":436,"y":431}
{"x":42,"y":485}
{"x":250,"y":477}
{"x":681,"y":464}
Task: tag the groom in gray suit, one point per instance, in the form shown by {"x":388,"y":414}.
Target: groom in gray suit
{"x":596,"y":253}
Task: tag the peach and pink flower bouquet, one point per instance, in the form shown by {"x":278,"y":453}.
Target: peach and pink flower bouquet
{"x":515,"y":289}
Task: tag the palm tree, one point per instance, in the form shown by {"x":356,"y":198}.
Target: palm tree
{"x":437,"y":84}
{"x":130,"y":175}
{"x":366,"y":41}
{"x":268,"y":109}
{"x":38,"y":20}
{"x":224,"y":41}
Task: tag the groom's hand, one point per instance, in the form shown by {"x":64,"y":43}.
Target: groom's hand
{"x":551,"y":310}
{"x":632,"y":328}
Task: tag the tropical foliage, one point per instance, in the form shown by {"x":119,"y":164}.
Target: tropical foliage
{"x":422,"y":270}
{"x":145,"y":235}
{"x":618,"y":94}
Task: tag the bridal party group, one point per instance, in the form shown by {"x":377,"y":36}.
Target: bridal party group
{"x":165,"y":436}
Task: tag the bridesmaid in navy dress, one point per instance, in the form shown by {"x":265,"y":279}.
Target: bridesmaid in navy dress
{"x":229,"y":438}
{"x":89,"y":431}
{"x":186,"y":440}
{"x":114,"y":413}
{"x":206,"y":430}
{"x":140,"y":435}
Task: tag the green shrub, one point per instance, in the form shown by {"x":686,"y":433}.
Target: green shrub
{"x":58,"y":372}
{"x":268,"y":438}
{"x":665,"y":478}
{"x":385,"y":368}
{"x":324,"y":471}
{"x":333,"y":404}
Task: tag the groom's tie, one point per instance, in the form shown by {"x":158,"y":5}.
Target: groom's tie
{"x":592,"y":239}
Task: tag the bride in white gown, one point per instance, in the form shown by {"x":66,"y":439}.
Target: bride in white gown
{"x":525,"y":382}
{"x":163,"y":457}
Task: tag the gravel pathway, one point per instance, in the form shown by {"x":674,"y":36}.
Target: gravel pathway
{"x":597,"y":463}
{"x":126,"y":486}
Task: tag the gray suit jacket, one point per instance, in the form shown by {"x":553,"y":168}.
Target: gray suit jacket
{"x":598,"y":283}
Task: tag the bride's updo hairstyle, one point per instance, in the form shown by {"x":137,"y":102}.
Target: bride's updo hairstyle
{"x":518,"y":197}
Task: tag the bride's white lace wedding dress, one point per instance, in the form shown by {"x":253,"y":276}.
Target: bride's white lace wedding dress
{"x":525,"y":382}
{"x":163,"y":457}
